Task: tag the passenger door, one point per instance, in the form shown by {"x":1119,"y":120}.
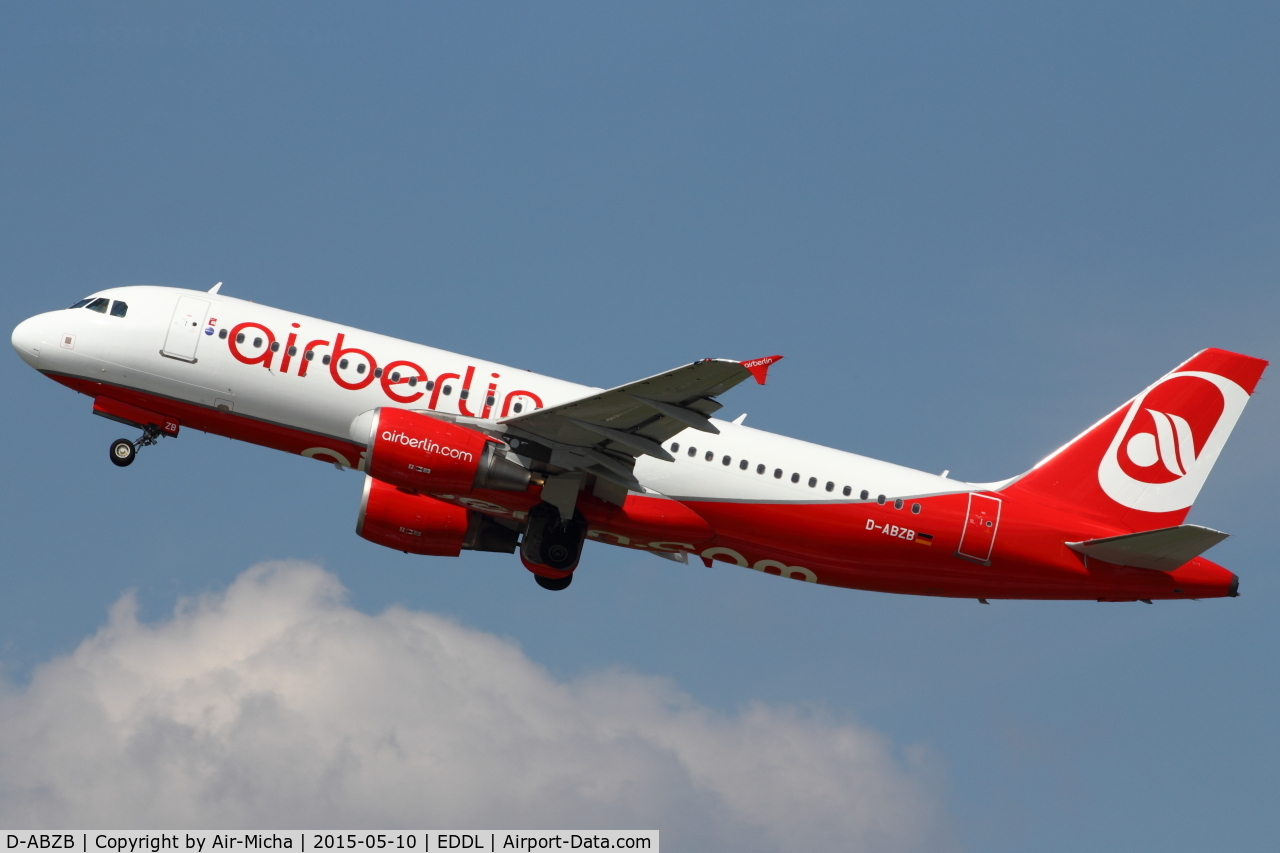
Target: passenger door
{"x":185,"y":329}
{"x":981,"y":523}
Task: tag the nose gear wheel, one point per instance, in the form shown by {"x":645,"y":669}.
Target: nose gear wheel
{"x":124,"y":451}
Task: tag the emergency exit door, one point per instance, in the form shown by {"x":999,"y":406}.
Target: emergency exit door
{"x":185,"y":329}
{"x":980,"y":526}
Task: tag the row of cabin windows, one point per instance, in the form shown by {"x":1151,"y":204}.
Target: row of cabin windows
{"x":343,"y":363}
{"x":744,"y":464}
{"x":118,"y":308}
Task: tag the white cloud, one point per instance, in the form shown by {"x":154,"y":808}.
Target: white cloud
{"x":276,"y":705}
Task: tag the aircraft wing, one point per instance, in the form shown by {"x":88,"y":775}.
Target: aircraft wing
{"x":604,"y":432}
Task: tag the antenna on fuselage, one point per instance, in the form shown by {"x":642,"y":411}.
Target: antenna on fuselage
{"x":214,"y":289}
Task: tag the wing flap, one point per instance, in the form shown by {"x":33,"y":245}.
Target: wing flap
{"x":1165,"y":549}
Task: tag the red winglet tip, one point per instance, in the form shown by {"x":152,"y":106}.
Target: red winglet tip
{"x":759,"y":367}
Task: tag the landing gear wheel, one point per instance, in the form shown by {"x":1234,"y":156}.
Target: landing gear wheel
{"x":552,"y":541}
{"x":558,"y":555}
{"x":554,"y":584}
{"x":123,"y":452}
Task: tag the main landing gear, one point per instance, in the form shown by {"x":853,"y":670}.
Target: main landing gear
{"x":554,"y":584}
{"x":123,"y":451}
{"x":552,"y":546}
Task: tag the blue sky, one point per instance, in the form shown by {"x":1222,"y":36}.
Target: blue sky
{"x":972,"y":230}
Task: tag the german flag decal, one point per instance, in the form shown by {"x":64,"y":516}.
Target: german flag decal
{"x":924,"y":538}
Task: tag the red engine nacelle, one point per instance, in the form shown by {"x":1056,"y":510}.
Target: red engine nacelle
{"x":427,"y":454}
{"x":418,"y":524}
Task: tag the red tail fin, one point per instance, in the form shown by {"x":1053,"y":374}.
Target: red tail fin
{"x":1142,"y":466}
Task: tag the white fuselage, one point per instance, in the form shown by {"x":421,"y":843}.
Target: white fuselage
{"x":310,"y":396}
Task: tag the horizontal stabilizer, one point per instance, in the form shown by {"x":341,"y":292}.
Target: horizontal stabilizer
{"x":1163,"y":550}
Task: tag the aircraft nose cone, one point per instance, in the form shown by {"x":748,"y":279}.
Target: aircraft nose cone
{"x":27,"y":340}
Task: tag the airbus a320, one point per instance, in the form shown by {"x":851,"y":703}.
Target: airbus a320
{"x":461,"y":454}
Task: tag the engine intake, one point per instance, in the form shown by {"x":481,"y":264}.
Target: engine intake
{"x":418,"y":524}
{"x":427,"y":454}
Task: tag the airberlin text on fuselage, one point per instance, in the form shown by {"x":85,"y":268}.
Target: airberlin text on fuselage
{"x":399,"y":379}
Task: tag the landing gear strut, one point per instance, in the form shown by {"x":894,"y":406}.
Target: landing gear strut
{"x":123,"y":451}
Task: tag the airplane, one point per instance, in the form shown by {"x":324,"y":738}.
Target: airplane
{"x":464,"y":454}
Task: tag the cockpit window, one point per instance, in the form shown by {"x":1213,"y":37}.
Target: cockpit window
{"x":83,"y":302}
{"x":119,"y":309}
{"x":99,"y":305}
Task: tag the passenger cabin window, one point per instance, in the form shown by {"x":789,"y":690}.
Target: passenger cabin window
{"x":710,"y":455}
{"x":448,"y":389}
{"x":240,"y":338}
{"x":395,"y":377}
{"x":813,"y":481}
{"x":880,"y":499}
{"x":119,"y":309}
{"x":413,"y":381}
{"x":725,"y":461}
{"x":865,"y":494}
{"x":377,"y":371}
{"x":99,"y":305}
{"x":517,"y":407}
{"x":361,"y":367}
{"x":675,"y":447}
{"x":777,"y":473}
{"x":431,"y":384}
{"x":693,"y":451}
{"x":82,"y":303}
{"x":489,"y":401}
{"x":294,"y":351}
{"x":275,"y":346}
{"x":831,"y":486}
{"x":326,"y":359}
{"x":342,"y":365}
{"x":222,"y":335}
{"x":795,"y":478}
{"x":464,"y":393}
{"x":309,"y":354}
{"x":848,"y":490}
{"x":915,"y":508}
{"x":897,"y":504}
{"x":743,"y":465}
{"x":759,"y":469}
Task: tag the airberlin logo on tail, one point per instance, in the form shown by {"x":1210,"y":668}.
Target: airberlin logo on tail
{"x":1169,"y":439}
{"x":1172,"y":444}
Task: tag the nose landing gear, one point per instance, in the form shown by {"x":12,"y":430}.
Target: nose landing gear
{"x":123,"y":451}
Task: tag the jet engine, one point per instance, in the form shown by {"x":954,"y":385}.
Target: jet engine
{"x":426,"y":454}
{"x":418,"y":524}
